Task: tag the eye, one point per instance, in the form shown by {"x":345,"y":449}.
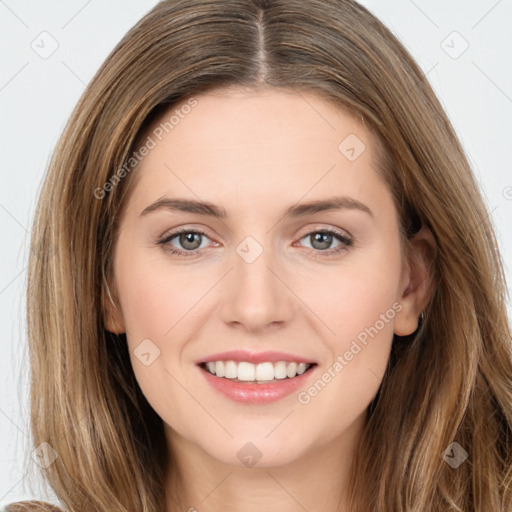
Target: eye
{"x":188,"y":239}
{"x":322,"y":239}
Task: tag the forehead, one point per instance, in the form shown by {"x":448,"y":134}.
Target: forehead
{"x":231,"y":117}
{"x":257,"y":145}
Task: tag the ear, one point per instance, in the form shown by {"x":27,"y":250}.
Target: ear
{"x":112,"y":315}
{"x":417,"y":281}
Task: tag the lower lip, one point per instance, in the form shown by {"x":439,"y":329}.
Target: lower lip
{"x":254,"y":393}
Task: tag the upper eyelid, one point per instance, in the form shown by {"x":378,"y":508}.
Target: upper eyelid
{"x":315,"y":228}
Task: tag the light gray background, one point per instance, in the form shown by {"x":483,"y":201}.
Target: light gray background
{"x":37,"y":95}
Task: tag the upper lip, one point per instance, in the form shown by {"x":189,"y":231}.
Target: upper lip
{"x":270,"y":356}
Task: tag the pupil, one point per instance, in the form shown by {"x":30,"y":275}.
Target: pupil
{"x":325,"y":243}
{"x":188,"y":238}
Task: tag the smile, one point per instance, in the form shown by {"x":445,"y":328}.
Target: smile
{"x":256,"y":378}
{"x":243,"y":371}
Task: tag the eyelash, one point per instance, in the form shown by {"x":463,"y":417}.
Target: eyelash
{"x":345,"y":241}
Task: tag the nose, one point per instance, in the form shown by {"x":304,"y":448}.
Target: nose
{"x":257,"y":297}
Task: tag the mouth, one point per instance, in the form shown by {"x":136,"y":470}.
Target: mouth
{"x":256,"y":379}
{"x":263,"y":373}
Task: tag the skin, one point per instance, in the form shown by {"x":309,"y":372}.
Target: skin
{"x":256,"y":153}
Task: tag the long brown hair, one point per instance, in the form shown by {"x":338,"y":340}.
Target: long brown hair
{"x":449,"y":382}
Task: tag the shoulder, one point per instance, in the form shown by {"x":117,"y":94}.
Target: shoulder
{"x":30,"y":506}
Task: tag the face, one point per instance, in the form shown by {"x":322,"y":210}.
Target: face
{"x":270,"y":278}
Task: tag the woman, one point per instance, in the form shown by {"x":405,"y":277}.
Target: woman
{"x":374,"y":363}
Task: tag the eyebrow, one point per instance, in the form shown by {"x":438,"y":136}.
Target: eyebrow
{"x":297,"y":210}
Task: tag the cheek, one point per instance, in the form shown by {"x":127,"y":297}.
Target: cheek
{"x":162,"y":311}
{"x":155,"y":294}
{"x":353,"y":295}
{"x":358,"y":303}
{"x":155,"y":299}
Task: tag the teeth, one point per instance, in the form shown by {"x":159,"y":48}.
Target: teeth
{"x":263,"y":372}
{"x":246,"y":371}
{"x":230,"y":371}
{"x":219,"y":369}
{"x":291,"y":369}
{"x":301,"y":368}
{"x":280,"y":370}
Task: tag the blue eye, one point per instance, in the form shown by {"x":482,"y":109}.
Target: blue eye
{"x":191,"y":241}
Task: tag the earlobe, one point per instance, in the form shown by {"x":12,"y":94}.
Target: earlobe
{"x":406,"y":323}
{"x":418,"y":282}
{"x":113,"y":317}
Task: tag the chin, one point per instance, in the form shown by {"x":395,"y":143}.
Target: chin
{"x":257,"y":453}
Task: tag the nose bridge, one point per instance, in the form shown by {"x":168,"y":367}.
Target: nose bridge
{"x":257,"y":297}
